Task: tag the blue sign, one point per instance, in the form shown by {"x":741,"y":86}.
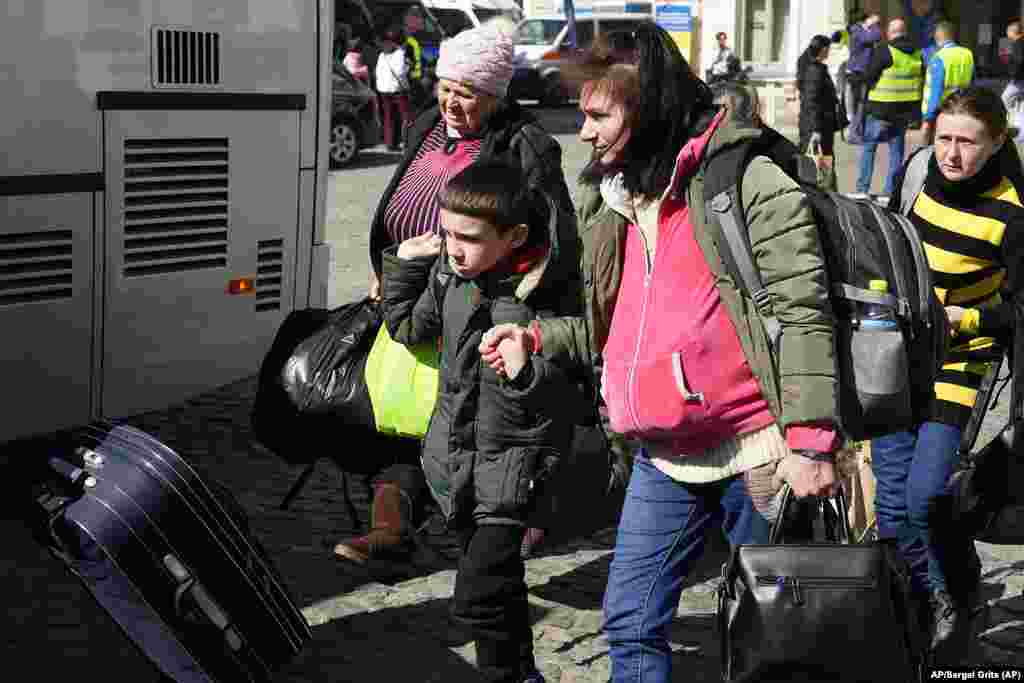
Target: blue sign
{"x":675,"y":18}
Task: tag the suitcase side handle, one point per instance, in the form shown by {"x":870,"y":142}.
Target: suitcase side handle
{"x":196,"y":593}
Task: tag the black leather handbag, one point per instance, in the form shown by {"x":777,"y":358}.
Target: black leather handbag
{"x":832,"y":611}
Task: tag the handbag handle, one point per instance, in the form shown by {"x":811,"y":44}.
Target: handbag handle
{"x":814,"y":145}
{"x":787,"y":499}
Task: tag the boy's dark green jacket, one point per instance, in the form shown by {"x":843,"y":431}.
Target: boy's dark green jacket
{"x":488,"y":439}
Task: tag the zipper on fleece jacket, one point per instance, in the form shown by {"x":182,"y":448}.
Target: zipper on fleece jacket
{"x":648,"y":272}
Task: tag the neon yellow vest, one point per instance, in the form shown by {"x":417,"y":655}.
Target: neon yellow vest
{"x":958,"y":63}
{"x":901,"y":82}
{"x":416,"y":73}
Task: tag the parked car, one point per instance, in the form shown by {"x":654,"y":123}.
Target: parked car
{"x":542,"y":55}
{"x":355,"y":124}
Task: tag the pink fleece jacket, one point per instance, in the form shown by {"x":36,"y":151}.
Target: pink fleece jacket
{"x":674,"y":370}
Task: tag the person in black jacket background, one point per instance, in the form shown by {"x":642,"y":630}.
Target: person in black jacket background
{"x":819,"y":119}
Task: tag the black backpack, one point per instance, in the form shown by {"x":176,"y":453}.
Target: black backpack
{"x":886,"y":378}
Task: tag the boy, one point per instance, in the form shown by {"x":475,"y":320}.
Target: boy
{"x":493,"y":435}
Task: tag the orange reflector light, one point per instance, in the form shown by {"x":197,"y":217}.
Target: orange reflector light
{"x":551,"y":54}
{"x":242,"y":285}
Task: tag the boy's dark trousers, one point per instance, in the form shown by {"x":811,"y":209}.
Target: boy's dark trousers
{"x":490,"y":601}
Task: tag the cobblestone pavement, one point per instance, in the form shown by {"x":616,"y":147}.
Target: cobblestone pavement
{"x":389,"y":625}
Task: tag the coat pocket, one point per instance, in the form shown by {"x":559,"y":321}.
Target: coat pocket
{"x":504,"y":481}
{"x":662,"y":397}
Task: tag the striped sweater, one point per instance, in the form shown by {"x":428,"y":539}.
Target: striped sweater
{"x":413,"y":209}
{"x":973,"y":233}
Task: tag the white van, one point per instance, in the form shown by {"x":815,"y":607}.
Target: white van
{"x":541,"y":50}
{"x":457,"y":15}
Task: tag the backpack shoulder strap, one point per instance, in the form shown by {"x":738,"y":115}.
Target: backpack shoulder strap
{"x":913,"y":178}
{"x":724,"y":211}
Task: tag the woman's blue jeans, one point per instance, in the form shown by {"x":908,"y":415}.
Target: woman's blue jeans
{"x":660,"y":537}
{"x":911,"y":474}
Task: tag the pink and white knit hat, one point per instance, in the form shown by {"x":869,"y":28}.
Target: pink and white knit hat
{"x":480,"y":57}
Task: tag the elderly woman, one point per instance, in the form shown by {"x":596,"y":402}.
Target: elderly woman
{"x":472,"y":121}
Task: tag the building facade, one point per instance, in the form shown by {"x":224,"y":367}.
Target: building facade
{"x":769,"y":35}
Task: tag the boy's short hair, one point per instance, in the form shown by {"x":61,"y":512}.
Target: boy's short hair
{"x":497,"y":193}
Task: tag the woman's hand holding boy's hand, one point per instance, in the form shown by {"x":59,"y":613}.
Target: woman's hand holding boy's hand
{"x":506,"y":348}
{"x":427,"y":244}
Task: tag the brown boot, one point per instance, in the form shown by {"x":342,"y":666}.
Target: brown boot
{"x":390,"y":523}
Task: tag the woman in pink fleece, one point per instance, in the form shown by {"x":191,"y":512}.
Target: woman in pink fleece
{"x":686,"y":361}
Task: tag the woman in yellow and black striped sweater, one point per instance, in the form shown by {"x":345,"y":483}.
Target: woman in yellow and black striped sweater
{"x":971,"y":219}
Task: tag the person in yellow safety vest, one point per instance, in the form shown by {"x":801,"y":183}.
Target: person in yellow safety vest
{"x":414,"y":55}
{"x":950,"y":67}
{"x":895,"y":77}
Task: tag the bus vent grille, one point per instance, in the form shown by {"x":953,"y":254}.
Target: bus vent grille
{"x":185,"y":58}
{"x":35,"y":266}
{"x":175,"y":205}
{"x":269,"y":269}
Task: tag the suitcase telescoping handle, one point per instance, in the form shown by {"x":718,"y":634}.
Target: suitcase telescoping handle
{"x":73,"y":474}
{"x":788,"y":498}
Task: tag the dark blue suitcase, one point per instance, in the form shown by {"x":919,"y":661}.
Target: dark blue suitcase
{"x":169,"y":556}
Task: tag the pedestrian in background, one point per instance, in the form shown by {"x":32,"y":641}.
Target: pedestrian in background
{"x":819,"y":105}
{"x":950,"y":67}
{"x":418,"y":94}
{"x":865,"y":34}
{"x":895,"y":77}
{"x":354,"y":63}
{"x":392,"y":76}
{"x":1013,"y":94}
{"x":725,"y":65}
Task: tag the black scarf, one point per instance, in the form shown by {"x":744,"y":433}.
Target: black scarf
{"x":967,"y":192}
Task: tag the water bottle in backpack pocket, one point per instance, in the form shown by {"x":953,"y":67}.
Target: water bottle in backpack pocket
{"x":877,"y":367}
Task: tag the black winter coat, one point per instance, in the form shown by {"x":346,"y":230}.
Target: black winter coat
{"x":489,"y":441}
{"x":818,"y":102}
{"x":514,"y":136}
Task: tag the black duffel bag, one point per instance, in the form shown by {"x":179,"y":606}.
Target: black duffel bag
{"x":296,"y":438}
{"x":314,"y":359}
{"x":790,"y":612}
{"x":325,"y":373}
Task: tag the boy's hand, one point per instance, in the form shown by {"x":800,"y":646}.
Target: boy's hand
{"x":427,"y":244}
{"x":514,"y":356}
{"x":497,"y":356}
{"x":492,"y":338}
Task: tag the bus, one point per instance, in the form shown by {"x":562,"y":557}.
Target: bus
{"x":163,"y":191}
